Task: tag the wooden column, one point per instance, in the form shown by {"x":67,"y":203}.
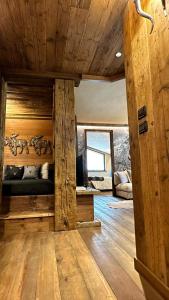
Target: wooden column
{"x":2,"y":130}
{"x":65,"y":156}
{"x":147,"y":77}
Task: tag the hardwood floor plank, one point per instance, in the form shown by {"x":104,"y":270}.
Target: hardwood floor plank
{"x":113,"y":248}
{"x":71,"y":282}
{"x":12,"y":268}
{"x":95,"y":282}
{"x":88,"y":264}
{"x":48,"y":278}
{"x":31,"y":265}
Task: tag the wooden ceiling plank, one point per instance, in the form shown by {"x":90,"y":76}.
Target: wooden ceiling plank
{"x":30,"y":37}
{"x":107,"y":44}
{"x":78,"y":18}
{"x":51,"y":33}
{"x":98,"y":14}
{"x":47,"y":35}
{"x":40,"y":9}
{"x":15,"y":31}
{"x":8,"y":50}
{"x":63,"y":17}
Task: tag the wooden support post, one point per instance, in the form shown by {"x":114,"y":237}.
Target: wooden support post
{"x":147,"y":77}
{"x":2,"y":130}
{"x":65,"y":156}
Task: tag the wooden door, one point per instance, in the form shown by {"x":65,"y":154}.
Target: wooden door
{"x":2,"y":130}
{"x":147,"y":78}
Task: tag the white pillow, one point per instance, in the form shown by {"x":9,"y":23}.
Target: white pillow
{"x":3,"y":173}
{"x":129,"y":175}
{"x":124,"y":178}
{"x":45,"y":171}
{"x":116,"y":179}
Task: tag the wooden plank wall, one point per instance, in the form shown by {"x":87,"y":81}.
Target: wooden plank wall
{"x":27,"y":128}
{"x":2,"y":129}
{"x":29,"y":100}
{"x":147,"y":77}
{"x":29,"y":113}
{"x":65,"y":155}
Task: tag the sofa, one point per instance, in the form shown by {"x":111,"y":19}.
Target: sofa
{"x":14,"y":184}
{"x":123,"y":184}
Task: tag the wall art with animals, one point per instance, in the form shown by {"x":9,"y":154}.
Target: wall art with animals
{"x":28,"y":141}
{"x":41,"y":146}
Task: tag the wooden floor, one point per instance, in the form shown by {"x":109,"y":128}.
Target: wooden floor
{"x":91,"y":263}
{"x":113,"y":247}
{"x":50,"y":266}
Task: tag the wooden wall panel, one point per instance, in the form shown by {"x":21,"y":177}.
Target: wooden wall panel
{"x":147,"y":77}
{"x":29,"y":108}
{"x":2,"y":129}
{"x":26,"y":130}
{"x":28,"y":101}
{"x":65,"y":156}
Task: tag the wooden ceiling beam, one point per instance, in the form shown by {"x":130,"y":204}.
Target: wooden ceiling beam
{"x":104,"y":78}
{"x":16,"y":75}
{"x":50,"y":75}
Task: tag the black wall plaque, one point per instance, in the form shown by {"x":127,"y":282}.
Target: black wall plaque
{"x":142,"y":112}
{"x":143,"y":127}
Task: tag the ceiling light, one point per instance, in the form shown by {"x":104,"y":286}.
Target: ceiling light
{"x":118,"y":54}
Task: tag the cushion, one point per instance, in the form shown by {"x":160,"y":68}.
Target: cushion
{"x":125,"y":187}
{"x":31,"y":172}
{"x":13,"y":172}
{"x":3,"y":173}
{"x":45,"y":171}
{"x":129,"y":175}
{"x":116,"y":179}
{"x":124,"y":178}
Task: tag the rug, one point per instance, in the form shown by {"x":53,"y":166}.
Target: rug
{"x":121,"y":204}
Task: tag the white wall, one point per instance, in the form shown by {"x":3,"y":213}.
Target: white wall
{"x":101,"y":102}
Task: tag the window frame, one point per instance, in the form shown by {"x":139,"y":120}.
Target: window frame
{"x":104,"y":159}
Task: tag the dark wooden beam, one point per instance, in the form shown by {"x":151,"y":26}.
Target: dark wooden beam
{"x":13,"y":75}
{"x":29,"y":73}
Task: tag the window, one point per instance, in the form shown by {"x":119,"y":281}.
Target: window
{"x":95,"y":161}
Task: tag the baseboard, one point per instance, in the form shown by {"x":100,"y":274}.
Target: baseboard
{"x":153,"y":280}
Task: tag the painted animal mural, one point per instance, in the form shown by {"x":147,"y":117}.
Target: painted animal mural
{"x":15,"y":143}
{"x":40,"y":145}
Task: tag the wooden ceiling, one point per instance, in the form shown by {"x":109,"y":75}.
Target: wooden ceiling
{"x":77,"y":36}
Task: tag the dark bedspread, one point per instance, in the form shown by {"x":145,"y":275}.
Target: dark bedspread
{"x":28,"y":187}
